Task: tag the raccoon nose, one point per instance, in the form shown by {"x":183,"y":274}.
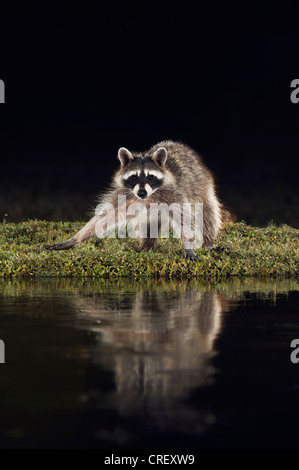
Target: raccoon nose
{"x":142,"y":193}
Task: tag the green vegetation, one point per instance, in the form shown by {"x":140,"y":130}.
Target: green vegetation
{"x":244,"y":251}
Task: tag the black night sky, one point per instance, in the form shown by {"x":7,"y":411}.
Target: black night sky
{"x":82,"y":82}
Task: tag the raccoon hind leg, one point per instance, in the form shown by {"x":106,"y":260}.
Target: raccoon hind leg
{"x":211,"y":224}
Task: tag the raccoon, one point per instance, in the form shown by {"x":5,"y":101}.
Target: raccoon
{"x":169,"y":172}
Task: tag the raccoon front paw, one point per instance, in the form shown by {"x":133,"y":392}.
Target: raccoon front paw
{"x":62,"y":246}
{"x":59,"y":246}
{"x":51,"y":247}
{"x":189,"y":254}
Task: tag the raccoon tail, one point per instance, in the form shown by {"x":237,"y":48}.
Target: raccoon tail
{"x":83,"y":235}
{"x":227,"y":217}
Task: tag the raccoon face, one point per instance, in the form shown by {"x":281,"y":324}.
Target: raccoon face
{"x":142,"y":175}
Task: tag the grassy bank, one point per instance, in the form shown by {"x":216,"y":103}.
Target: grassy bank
{"x":245,"y":252}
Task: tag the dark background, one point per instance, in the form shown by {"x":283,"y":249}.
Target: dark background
{"x":82,"y":82}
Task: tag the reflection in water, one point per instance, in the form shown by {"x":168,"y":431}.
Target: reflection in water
{"x":113,"y":364}
{"x":159,"y":346}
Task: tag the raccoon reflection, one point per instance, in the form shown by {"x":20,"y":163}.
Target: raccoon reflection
{"x":158,"y":348}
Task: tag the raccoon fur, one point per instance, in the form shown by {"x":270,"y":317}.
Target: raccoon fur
{"x":169,"y":172}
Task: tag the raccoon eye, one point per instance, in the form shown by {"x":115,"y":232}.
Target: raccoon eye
{"x":134,"y":177}
{"x":151,"y":177}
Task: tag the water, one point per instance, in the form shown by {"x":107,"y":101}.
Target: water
{"x":148,"y":365}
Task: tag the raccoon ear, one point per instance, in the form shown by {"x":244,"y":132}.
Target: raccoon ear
{"x":124,"y":156}
{"x":160,"y":156}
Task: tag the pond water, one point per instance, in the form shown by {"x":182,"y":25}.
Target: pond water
{"x":118,"y":364}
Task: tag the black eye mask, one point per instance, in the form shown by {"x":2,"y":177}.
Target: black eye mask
{"x":153,"y":181}
{"x":131,"y":181}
